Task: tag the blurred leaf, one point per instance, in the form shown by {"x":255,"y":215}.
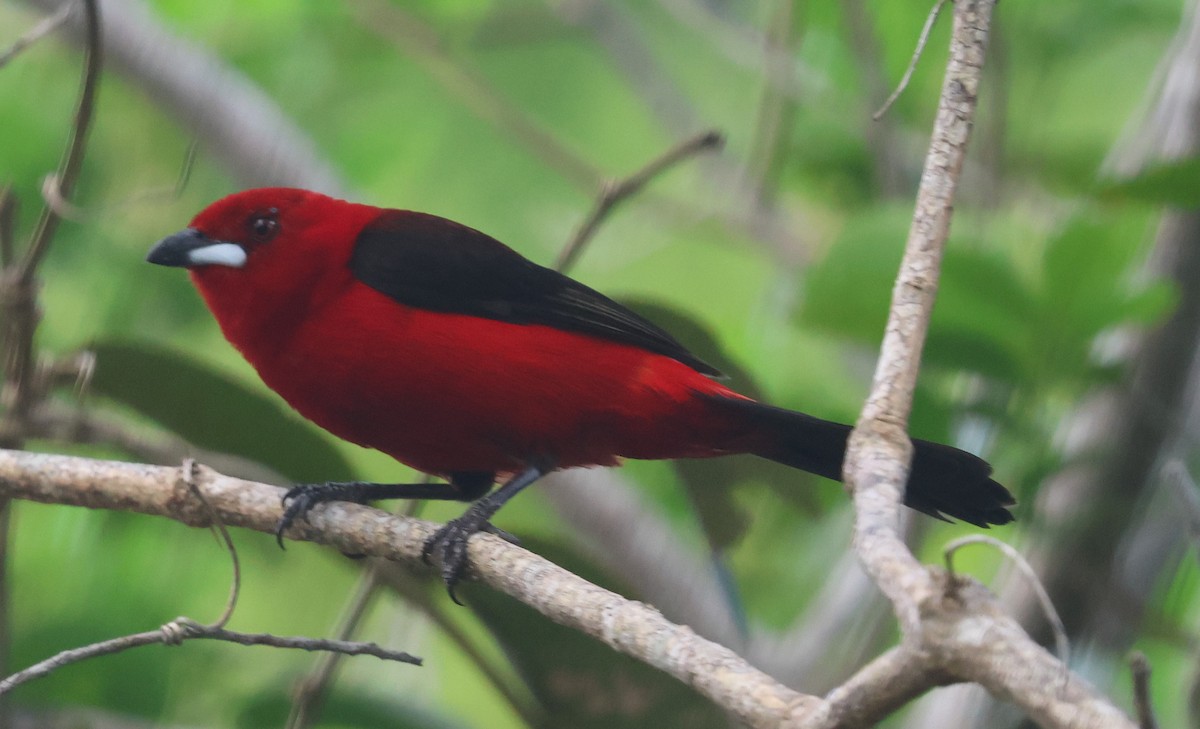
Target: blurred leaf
{"x":982,"y":312}
{"x":973,"y":351}
{"x":1087,"y":290}
{"x":1151,"y":304}
{"x":580,"y":682}
{"x":981,"y":318}
{"x":213,"y":411}
{"x":847,"y":292}
{"x":344,"y":707}
{"x":1176,"y":184}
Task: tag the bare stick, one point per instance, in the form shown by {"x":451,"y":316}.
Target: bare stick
{"x":54,"y":199}
{"x":1060,"y":631}
{"x":182,"y":629}
{"x":1140,"y":668}
{"x":37,"y":32}
{"x":613,"y":193}
{"x":953,"y":641}
{"x":912,"y":65}
{"x":188,"y":477}
{"x":630,"y":627}
{"x":876,"y":466}
{"x":52,"y":194}
{"x":68,"y":171}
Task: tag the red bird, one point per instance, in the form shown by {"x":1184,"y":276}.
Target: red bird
{"x":455,"y":355}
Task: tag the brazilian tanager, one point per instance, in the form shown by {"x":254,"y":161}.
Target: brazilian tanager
{"x":455,"y":355}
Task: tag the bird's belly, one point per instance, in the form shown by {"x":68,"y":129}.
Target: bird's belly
{"x":447,"y":392}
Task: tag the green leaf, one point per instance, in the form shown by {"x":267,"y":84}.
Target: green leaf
{"x":1086,"y":289}
{"x":981,"y":317}
{"x":580,"y":682}
{"x":974,"y":351}
{"x":1174,"y":183}
{"x":983,"y":305}
{"x":847,"y":292}
{"x":214,"y":411}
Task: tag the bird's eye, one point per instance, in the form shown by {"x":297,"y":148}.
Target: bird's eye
{"x":263,"y":225}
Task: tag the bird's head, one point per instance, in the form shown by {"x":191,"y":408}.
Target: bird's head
{"x":265,"y":249}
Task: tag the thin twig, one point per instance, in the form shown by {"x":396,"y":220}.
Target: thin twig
{"x":8,"y":220}
{"x":311,"y":690}
{"x":176,"y":190}
{"x":613,"y":193}
{"x":68,"y":170}
{"x":37,"y":32}
{"x":631,"y":627}
{"x":912,"y":64}
{"x":52,"y":194}
{"x":54,"y":199}
{"x":182,"y":629}
{"x":1061,"y":643}
{"x":188,"y":477}
{"x":345,"y":647}
{"x":1140,"y":668}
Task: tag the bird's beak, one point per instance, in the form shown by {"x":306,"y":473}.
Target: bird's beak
{"x":189,"y":247}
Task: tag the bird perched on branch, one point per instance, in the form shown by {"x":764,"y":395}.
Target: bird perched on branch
{"x":455,"y":355}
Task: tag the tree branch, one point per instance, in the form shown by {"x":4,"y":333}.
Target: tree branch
{"x":960,"y":625}
{"x":877,"y":459}
{"x":632,"y":628}
{"x":965,"y":636}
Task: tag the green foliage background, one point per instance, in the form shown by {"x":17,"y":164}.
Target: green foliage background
{"x":1043,"y":261}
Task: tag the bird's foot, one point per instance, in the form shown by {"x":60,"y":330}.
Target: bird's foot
{"x":299,"y":500}
{"x":449,"y":544}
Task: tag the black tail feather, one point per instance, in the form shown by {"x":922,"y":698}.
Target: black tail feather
{"x":943,"y":481}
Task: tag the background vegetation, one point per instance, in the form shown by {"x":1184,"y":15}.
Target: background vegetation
{"x":774,"y":257}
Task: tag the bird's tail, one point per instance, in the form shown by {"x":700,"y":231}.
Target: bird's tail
{"x":943,"y":481}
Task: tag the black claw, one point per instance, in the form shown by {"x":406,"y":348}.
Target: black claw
{"x":450,"y":545}
{"x":297,"y":502}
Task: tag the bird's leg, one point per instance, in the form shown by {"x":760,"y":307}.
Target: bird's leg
{"x":299,"y":500}
{"x":450,"y":542}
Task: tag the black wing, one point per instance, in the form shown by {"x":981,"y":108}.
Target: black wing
{"x":429,"y":262}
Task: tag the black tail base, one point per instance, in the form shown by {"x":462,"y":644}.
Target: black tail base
{"x":944,"y":482}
